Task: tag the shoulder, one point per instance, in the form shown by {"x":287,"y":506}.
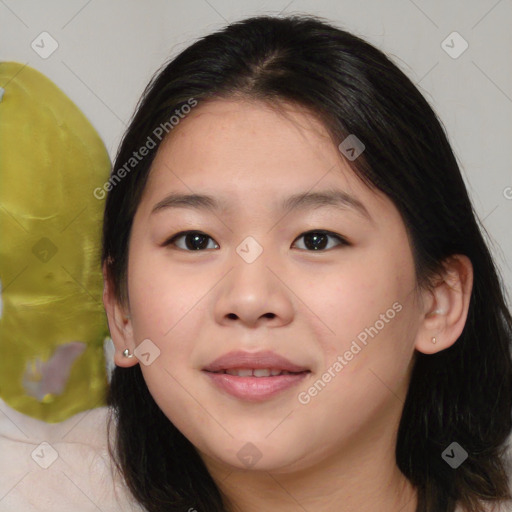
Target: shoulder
{"x":51,"y":466}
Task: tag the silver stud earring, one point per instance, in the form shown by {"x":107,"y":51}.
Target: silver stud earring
{"x":126,"y":353}
{"x":433,"y":340}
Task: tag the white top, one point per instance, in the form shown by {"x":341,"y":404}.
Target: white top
{"x":58,"y":467}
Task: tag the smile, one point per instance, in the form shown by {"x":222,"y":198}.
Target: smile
{"x":256,"y":372}
{"x":255,"y":385}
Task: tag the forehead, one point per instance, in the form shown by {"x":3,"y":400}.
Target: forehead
{"x":248,"y":152}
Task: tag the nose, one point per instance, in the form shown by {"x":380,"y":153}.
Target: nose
{"x":254,"y":294}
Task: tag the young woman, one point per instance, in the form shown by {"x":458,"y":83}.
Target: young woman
{"x":305,"y":314}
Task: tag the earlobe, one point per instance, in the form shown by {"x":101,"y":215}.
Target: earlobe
{"x":446,"y":307}
{"x":119,"y":324}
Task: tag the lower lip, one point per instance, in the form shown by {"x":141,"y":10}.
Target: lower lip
{"x":255,"y":389}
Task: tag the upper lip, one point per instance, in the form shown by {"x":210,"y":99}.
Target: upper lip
{"x":254,"y":360}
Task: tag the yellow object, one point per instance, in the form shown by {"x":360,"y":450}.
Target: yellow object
{"x":52,"y":321}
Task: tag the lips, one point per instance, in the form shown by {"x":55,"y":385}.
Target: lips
{"x":255,"y":389}
{"x":254,"y":376}
{"x":234,"y":362}
{"x":255,"y":372}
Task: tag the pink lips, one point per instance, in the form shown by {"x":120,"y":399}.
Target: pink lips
{"x":240,"y":359}
{"x":251,"y":388}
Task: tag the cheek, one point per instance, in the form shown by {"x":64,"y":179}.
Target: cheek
{"x":164,"y":306}
{"x":367,"y":358}
{"x":159,"y":296}
{"x":366,"y":313}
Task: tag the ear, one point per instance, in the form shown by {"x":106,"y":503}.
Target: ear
{"x":445,"y":307}
{"x":119,"y":324}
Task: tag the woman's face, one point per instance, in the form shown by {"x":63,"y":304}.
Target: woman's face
{"x":254,"y":282}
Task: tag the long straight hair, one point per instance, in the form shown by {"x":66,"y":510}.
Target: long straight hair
{"x":463,"y":393}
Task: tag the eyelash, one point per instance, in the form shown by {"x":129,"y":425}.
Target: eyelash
{"x":343,"y":241}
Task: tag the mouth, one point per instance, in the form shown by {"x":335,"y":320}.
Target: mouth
{"x":256,"y":372}
{"x":260,"y":364}
{"x":254,"y":376}
{"x":254,"y":385}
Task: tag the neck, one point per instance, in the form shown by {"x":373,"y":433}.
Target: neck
{"x":361,"y":475}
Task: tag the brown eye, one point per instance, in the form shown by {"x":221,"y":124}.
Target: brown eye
{"x":318,"y":240}
{"x":194,"y":241}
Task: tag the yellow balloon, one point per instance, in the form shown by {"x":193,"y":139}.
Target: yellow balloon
{"x":52,"y":320}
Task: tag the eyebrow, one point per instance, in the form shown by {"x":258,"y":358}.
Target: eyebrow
{"x":302,"y":201}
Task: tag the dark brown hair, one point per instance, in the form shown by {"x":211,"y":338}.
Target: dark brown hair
{"x":463,"y":393}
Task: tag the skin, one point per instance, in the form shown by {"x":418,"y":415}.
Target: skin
{"x":335,"y":453}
